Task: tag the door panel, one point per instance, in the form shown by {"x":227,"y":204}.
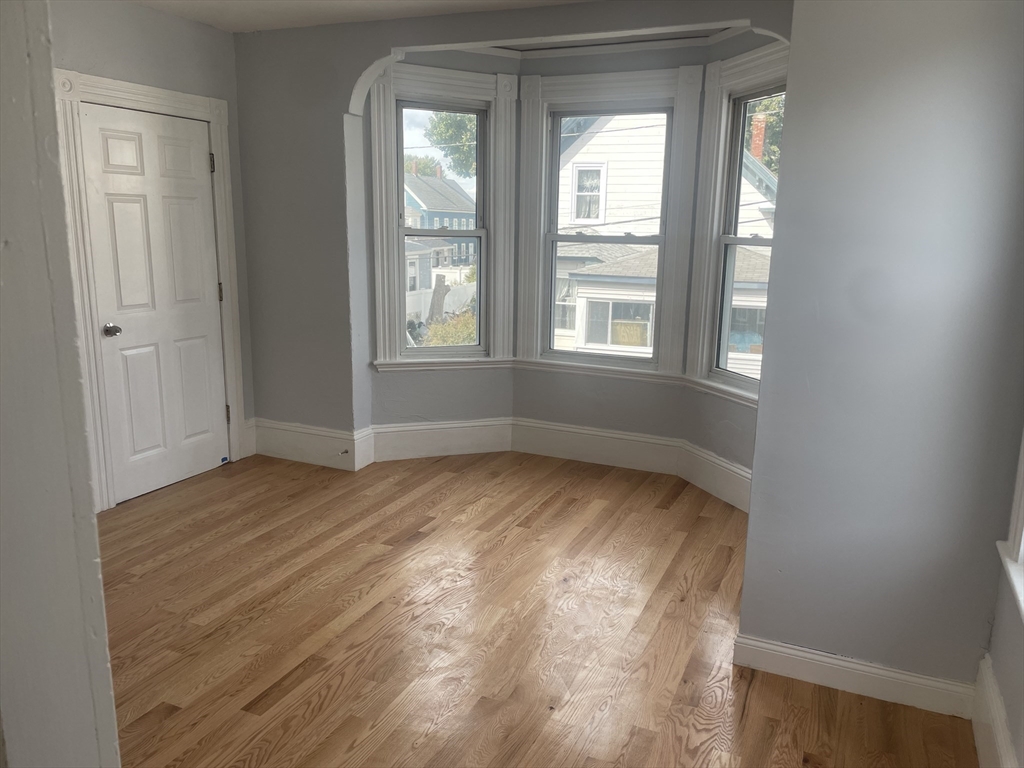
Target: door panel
{"x":154,"y":270}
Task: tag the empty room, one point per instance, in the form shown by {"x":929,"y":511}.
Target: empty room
{"x":548,"y":383}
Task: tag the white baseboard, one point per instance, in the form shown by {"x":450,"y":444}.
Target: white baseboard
{"x":388,"y":442}
{"x":724,"y":479}
{"x":447,"y":438}
{"x":247,"y":444}
{"x":948,"y":697}
{"x":991,"y":727}
{"x":313,"y":445}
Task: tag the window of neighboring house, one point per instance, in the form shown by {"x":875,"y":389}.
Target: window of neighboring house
{"x":412,"y":276}
{"x":588,"y":189}
{"x":447,"y":224}
{"x":754,"y":152}
{"x":464,"y":224}
{"x":619,"y":324}
{"x":607,"y":230}
{"x":437,"y":223}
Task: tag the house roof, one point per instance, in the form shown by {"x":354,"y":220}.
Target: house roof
{"x":418,"y":246}
{"x":641,"y":261}
{"x":436,"y":194}
{"x":751,"y":265}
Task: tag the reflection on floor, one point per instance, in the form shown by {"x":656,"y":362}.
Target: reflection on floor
{"x":499,"y":609}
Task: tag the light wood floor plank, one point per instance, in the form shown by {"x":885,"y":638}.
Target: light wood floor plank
{"x":483,"y":610}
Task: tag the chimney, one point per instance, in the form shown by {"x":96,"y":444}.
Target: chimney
{"x":414,"y":163}
{"x":757,"y":135}
{"x":438,"y":170}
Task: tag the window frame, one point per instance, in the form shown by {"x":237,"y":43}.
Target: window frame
{"x":544,"y":100}
{"x":493,"y":97}
{"x":725,"y":83}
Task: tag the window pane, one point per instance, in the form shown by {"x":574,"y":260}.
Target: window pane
{"x":759,"y":170}
{"x":631,"y":324}
{"x":745,"y":298}
{"x":617,"y":283}
{"x":439,"y":149}
{"x":442,"y":293}
{"x":597,"y":322}
{"x":611,"y":172}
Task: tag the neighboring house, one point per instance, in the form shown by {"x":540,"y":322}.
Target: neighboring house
{"x":605,"y":294}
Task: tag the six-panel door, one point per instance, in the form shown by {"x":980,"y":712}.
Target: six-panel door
{"x":154,"y":262}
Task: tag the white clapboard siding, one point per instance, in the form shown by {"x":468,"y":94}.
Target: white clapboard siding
{"x":631,"y":148}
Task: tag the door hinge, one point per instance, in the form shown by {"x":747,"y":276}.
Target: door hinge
{"x":220,"y":291}
{"x":228,"y":409}
{"x":213,"y":163}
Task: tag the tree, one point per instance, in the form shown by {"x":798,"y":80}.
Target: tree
{"x":454,"y":133}
{"x":773,"y":107}
{"x":425,"y":165}
{"x":470,"y":275}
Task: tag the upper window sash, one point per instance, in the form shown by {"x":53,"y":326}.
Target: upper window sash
{"x":490,"y":239}
{"x":724,"y":81}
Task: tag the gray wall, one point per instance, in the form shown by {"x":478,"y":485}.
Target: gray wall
{"x":56,"y":697}
{"x":126,"y":41}
{"x":1007,"y":652}
{"x":294,"y":88}
{"x":890,"y":410}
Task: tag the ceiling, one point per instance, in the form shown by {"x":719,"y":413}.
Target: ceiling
{"x":252,"y":15}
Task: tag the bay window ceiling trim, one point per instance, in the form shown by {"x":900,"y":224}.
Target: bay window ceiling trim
{"x":724,"y":81}
{"x":673,"y":91}
{"x":494,"y":96}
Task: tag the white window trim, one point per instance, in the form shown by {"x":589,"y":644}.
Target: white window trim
{"x":495,"y":94}
{"x":678,"y":89}
{"x":602,"y":192}
{"x":723,"y":81}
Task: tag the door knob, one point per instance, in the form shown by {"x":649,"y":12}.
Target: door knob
{"x":111,"y":330}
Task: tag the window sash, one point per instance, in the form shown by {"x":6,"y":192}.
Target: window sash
{"x":728,"y":239}
{"x":482,"y":275}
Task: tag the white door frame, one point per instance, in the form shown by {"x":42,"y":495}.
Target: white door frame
{"x":74,"y":89}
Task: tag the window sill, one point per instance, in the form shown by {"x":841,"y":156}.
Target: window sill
{"x":1014,"y":573}
{"x":442,"y":364}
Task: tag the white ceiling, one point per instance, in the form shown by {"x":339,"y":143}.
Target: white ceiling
{"x":251,"y":15}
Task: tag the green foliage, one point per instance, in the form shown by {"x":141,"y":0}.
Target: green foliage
{"x":470,"y":276}
{"x":425,"y":165}
{"x":456,"y":331}
{"x":773,"y":107}
{"x":454,"y":133}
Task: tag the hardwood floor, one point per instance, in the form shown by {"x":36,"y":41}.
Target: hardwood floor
{"x":499,"y":609}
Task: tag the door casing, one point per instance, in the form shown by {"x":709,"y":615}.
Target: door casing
{"x":72,"y":90}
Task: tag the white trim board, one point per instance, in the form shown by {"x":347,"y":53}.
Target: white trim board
{"x":72,"y":90}
{"x":449,"y":438}
{"x":991,"y":727}
{"x":312,"y":445}
{"x":948,"y":697}
{"x":719,"y":477}
{"x":389,"y":442}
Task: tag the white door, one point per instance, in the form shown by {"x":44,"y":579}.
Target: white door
{"x":154,"y":260}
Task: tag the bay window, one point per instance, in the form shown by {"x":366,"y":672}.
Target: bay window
{"x":739,"y":170}
{"x":444,"y":176}
{"x":604,"y":262}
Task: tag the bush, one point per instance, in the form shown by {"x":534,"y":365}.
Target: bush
{"x":459,"y":330}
